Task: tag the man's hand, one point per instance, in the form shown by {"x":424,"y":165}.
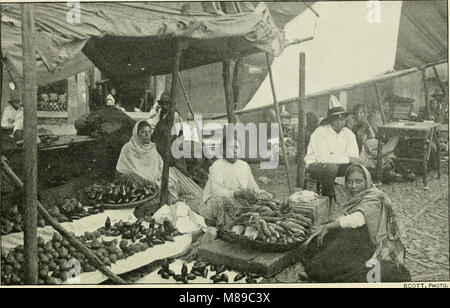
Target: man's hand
{"x":11,"y":121}
{"x":321,"y":231}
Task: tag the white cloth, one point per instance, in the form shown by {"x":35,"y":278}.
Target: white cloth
{"x":110,"y":101}
{"x":327,"y":146}
{"x":16,"y":117}
{"x":352,"y":221}
{"x":181,"y":217}
{"x":225,"y":178}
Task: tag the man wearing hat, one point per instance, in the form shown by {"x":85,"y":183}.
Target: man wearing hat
{"x":158,"y":136}
{"x":332,"y":148}
{"x":436,"y":112}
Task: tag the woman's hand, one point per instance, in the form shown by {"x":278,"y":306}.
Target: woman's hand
{"x":321,"y":231}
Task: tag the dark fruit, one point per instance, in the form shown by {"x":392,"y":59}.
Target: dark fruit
{"x":239,"y":276}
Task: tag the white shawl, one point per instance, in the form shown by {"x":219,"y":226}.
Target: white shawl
{"x":141,"y":159}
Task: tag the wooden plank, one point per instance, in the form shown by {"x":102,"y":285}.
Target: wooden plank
{"x":168,"y":128}
{"x":236,"y":85}
{"x":242,"y":259}
{"x":29,"y":100}
{"x":380,"y":102}
{"x":277,"y":110}
{"x":425,"y":90}
{"x":301,"y":146}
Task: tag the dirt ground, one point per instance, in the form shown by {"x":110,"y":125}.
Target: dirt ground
{"x":422,"y":215}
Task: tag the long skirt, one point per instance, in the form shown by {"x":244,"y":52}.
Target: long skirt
{"x":343,"y":257}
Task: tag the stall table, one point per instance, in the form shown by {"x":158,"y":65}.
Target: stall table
{"x":429,"y":132}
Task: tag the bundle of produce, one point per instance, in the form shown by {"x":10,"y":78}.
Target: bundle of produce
{"x":272,"y":222}
{"x":73,"y":209}
{"x":122,"y":193}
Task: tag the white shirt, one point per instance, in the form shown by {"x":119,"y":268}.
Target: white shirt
{"x":327,"y":146}
{"x":110,"y":101}
{"x":226,"y":178}
{"x":10,"y":113}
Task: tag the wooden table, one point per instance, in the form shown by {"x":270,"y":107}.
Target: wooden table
{"x":423,"y":130}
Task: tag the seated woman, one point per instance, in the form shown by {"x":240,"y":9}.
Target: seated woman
{"x":339,"y":251}
{"x":228,"y":177}
{"x":368,"y":145}
{"x":140,"y":157}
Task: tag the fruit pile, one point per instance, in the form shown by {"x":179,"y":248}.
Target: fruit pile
{"x":273,"y":222}
{"x":54,"y":259}
{"x":12,"y":220}
{"x":202,"y":269}
{"x":120,"y":194}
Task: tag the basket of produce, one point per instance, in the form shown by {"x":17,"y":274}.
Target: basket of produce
{"x":267,"y":225}
{"x":126,"y":192}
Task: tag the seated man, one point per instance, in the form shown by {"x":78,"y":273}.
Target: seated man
{"x":332,"y":148}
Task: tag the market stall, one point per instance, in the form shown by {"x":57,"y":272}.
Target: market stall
{"x":176,"y":36}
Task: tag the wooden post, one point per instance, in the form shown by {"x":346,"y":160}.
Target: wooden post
{"x":380,"y":102}
{"x":236,"y":86}
{"x":425,"y":89}
{"x":277,"y":110}
{"x":30,"y":146}
{"x":301,"y":146}
{"x":190,"y":108}
{"x":226,"y":67}
{"x":168,"y":128}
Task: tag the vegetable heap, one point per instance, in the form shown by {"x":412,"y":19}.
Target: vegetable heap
{"x":272,"y":221}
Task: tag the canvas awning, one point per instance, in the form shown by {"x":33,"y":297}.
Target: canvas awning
{"x":131,"y":40}
{"x":348,"y":50}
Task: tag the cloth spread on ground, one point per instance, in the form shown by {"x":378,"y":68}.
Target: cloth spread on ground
{"x":327,"y":146}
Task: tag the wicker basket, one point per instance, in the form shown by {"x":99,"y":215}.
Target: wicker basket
{"x":131,"y":205}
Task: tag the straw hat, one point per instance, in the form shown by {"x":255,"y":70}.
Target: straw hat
{"x":335,"y":109}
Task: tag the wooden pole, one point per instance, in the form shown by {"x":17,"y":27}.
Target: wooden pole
{"x":425,"y":89}
{"x":169,"y":124}
{"x":226,"y":71}
{"x":236,"y":86}
{"x":190,"y":107}
{"x":30,"y":146}
{"x":277,"y":110}
{"x":380,"y":102}
{"x":301,"y":146}
{"x":91,"y":257}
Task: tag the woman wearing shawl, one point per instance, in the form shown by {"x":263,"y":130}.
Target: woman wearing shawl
{"x":339,"y":251}
{"x":140,"y":157}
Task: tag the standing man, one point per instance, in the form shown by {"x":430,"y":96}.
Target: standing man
{"x":158,"y":136}
{"x":332,"y":149}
